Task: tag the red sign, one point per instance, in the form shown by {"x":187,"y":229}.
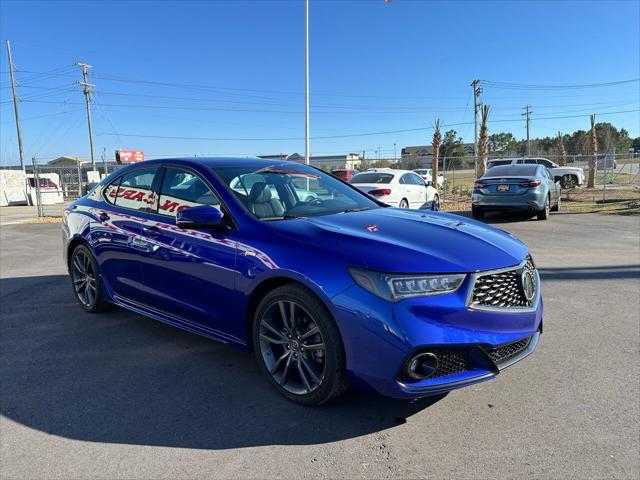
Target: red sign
{"x":129,"y":156}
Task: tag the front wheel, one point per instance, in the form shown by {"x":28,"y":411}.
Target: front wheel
{"x":298,"y":346}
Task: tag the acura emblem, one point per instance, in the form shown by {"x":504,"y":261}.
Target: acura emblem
{"x":528,"y":284}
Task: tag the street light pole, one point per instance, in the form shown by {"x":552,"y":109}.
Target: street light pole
{"x":306,"y":82}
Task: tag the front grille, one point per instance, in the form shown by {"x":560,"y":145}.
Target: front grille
{"x":504,"y":289}
{"x":451,"y":362}
{"x":501,"y":354}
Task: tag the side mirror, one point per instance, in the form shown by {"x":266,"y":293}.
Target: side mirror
{"x":201,"y":216}
{"x":428,"y":183}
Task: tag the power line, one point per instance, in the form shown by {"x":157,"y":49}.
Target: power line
{"x":526,"y":86}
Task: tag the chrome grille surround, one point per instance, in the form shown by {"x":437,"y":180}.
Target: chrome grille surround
{"x":499,"y":290}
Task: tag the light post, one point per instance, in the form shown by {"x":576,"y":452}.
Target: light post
{"x":395,"y":155}
{"x":306,"y":82}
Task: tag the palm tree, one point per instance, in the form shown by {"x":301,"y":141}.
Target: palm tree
{"x":435,"y":143}
{"x":593,"y":152}
{"x":562,"y":161}
{"x":483,"y":141}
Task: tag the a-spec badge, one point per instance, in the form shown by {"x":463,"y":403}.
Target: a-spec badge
{"x":372,"y":228}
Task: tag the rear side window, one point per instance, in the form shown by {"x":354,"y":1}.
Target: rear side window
{"x":134,"y":190}
{"x":181,"y":189}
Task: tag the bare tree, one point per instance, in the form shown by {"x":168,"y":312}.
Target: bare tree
{"x":593,"y":152}
{"x":562,"y":160}
{"x":483,"y":141}
{"x":437,"y":139}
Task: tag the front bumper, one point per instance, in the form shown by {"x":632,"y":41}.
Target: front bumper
{"x":381,"y":337}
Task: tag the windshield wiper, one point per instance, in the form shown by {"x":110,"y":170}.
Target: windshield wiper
{"x":361,"y":209}
{"x":292,"y":217}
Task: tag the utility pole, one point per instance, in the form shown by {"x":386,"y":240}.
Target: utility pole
{"x":306,"y":82}
{"x":395,"y":154}
{"x":15,"y":105}
{"x":104,"y":160}
{"x":87,"y":96}
{"x":477,"y":90}
{"x":527,"y":114}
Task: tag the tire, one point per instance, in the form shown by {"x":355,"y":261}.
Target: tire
{"x":435,"y":205}
{"x":477,"y":213}
{"x":556,"y":208}
{"x":544,"y":213}
{"x":568,"y":181}
{"x":403,"y":203}
{"x":86,"y":281}
{"x":306,"y":376}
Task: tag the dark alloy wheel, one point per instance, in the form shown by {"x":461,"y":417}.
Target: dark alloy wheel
{"x":86,"y":281}
{"x":404,"y":203}
{"x":435,"y":206}
{"x":568,"y":181}
{"x":298,"y":345}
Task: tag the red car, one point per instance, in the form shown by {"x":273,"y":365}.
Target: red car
{"x":344,"y":174}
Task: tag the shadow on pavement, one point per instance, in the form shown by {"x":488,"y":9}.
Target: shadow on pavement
{"x":591,"y":273}
{"x":122,"y":378}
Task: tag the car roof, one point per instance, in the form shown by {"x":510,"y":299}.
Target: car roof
{"x":517,"y":159}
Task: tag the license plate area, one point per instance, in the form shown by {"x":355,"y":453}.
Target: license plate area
{"x":503,"y":188}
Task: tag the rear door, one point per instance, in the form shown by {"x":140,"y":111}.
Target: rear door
{"x":116,"y":233}
{"x":188,"y":273}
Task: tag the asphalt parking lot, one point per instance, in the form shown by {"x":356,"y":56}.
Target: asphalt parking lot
{"x":121,"y":396}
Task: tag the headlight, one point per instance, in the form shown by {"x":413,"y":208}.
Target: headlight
{"x":395,"y":287}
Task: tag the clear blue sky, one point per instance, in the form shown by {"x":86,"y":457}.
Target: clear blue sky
{"x":236,"y":71}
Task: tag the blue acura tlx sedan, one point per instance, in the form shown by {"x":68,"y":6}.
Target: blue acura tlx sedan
{"x":327,"y":286}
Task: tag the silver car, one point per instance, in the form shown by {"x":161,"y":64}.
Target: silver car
{"x":516,"y":187}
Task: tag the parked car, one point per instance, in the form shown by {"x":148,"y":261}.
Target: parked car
{"x":338,"y":290}
{"x":606,"y":161}
{"x":427,"y":176}
{"x":300,"y":186}
{"x":569,"y":177}
{"x":401,"y":188}
{"x":344,"y":174}
{"x":521,"y":187}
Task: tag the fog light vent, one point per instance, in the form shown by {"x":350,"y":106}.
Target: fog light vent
{"x":422,"y":366}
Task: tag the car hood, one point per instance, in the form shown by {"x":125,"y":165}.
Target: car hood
{"x":405,"y":241}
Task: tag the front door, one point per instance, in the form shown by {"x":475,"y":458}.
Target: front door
{"x":187,"y":273}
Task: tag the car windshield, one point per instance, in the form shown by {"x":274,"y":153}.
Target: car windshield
{"x":290,"y":191}
{"x":511,"y":171}
{"x":372,"y":177}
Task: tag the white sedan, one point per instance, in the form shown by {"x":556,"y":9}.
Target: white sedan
{"x":398,"y":188}
{"x":427,"y":175}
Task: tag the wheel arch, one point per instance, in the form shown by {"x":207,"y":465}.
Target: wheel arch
{"x":268,"y":284}
{"x":71,"y":246}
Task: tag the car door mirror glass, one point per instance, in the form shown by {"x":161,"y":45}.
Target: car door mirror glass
{"x":201,"y":216}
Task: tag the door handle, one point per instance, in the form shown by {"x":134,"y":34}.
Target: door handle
{"x":151,"y":231}
{"x":103,"y":217}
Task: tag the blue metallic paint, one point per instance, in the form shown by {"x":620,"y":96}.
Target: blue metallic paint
{"x":201,"y":280}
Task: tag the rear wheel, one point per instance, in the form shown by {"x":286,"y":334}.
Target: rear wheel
{"x":476,"y":212}
{"x":404,"y":203}
{"x":435,"y":205}
{"x":86,"y":281}
{"x":544,"y":213}
{"x":298,"y":346}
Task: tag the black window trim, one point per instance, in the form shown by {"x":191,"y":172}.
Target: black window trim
{"x":119,"y":180}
